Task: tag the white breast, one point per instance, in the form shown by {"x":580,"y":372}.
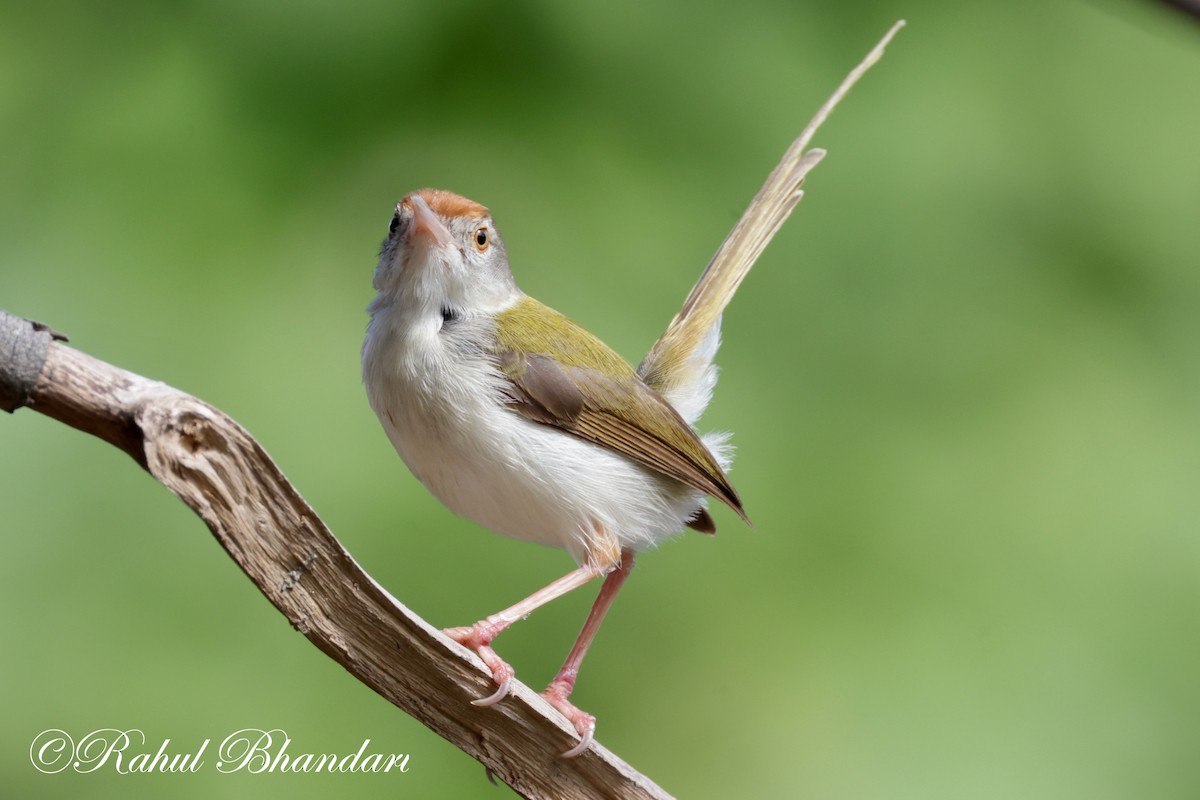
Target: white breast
{"x":439,"y":400}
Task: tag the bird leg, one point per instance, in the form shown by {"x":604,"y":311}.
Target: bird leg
{"x":564,"y":682}
{"x":478,"y":637}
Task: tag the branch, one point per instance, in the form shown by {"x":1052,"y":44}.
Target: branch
{"x":211,"y":463}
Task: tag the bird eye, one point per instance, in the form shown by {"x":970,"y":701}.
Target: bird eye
{"x":481,"y":238}
{"x":395,"y":223}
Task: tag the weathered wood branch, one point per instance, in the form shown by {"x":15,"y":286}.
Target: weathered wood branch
{"x":211,"y":463}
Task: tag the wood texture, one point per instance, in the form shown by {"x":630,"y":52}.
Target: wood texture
{"x":211,"y":463}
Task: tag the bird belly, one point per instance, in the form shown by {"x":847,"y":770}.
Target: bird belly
{"x":519,"y":478}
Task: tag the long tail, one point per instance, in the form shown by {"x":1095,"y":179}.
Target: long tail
{"x":680,"y":363}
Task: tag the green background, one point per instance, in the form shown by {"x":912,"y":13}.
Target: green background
{"x":963,"y":380}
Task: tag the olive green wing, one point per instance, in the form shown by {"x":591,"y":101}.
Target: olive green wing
{"x":560,"y":375}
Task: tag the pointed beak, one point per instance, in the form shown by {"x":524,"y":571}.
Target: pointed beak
{"x":426,"y":227}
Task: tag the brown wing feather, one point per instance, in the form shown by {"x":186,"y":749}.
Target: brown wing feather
{"x":625,"y":437}
{"x":625,"y":416}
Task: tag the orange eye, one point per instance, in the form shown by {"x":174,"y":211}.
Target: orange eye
{"x":481,"y":238}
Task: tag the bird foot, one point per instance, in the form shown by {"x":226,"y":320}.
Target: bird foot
{"x":585,"y":724}
{"x":478,"y":637}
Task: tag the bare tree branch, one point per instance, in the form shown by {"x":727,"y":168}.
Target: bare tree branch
{"x":211,"y":463}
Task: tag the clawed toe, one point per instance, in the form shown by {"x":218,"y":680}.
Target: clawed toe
{"x":584,"y":742}
{"x":585,"y":724}
{"x":500,"y":693}
{"x":478,"y":637}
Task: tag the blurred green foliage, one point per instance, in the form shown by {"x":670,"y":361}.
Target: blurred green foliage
{"x":964,"y":379}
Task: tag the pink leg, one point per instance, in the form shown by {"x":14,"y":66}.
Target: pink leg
{"x":564,"y":682}
{"x":479,"y":636}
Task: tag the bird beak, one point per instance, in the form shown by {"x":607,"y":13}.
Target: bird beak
{"x":426,"y":226}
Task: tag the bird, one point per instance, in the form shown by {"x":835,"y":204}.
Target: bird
{"x":518,"y":418}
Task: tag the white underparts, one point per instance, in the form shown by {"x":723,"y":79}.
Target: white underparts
{"x":439,"y":399}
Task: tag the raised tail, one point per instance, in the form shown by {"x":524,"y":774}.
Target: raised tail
{"x":680,"y":364}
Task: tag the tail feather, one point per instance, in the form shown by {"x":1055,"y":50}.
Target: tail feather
{"x":680,"y":365}
{"x":683,"y":355}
